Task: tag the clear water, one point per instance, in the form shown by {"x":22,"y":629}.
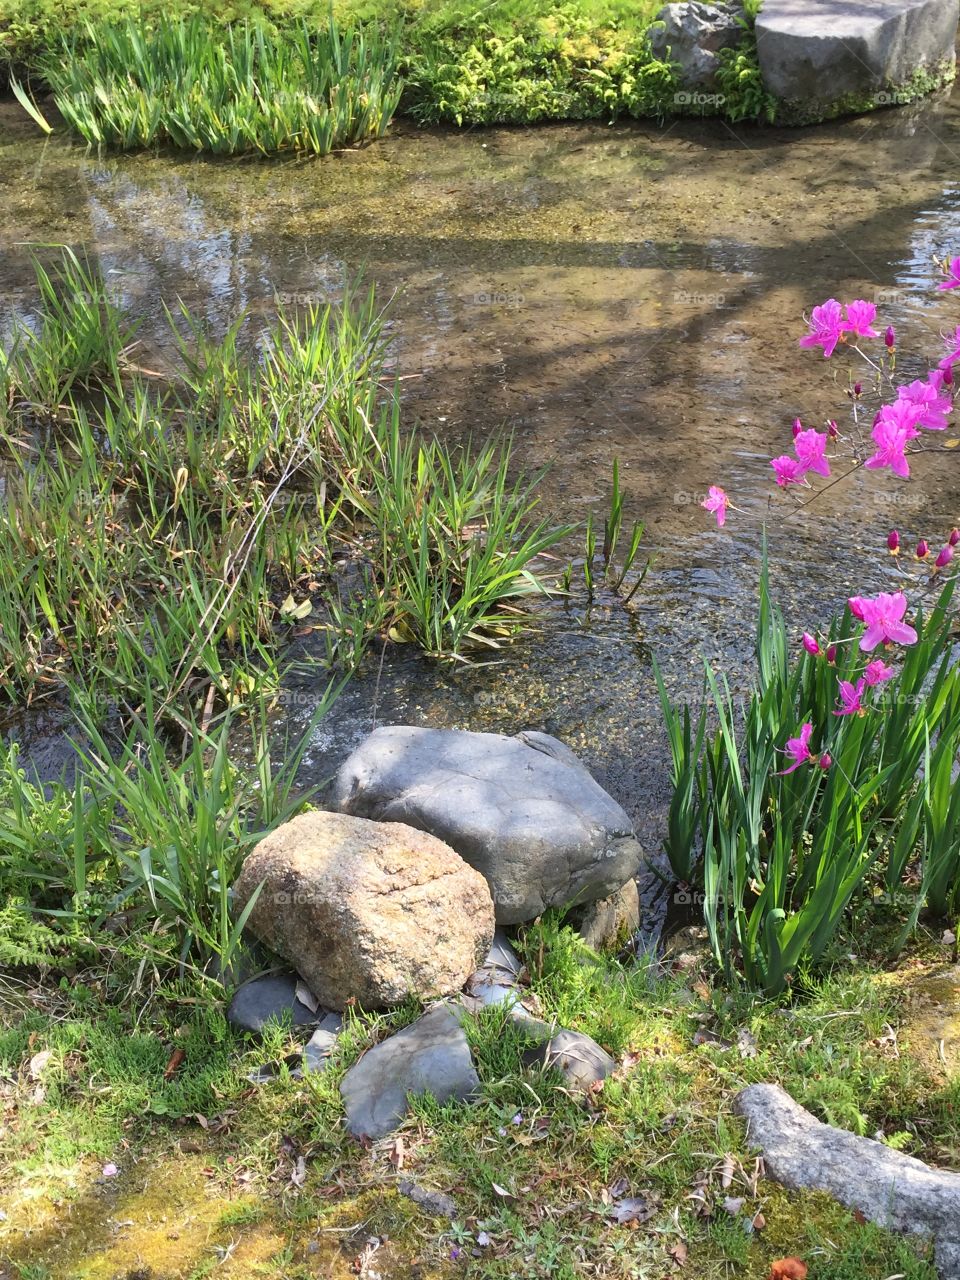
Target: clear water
{"x":599,"y":292}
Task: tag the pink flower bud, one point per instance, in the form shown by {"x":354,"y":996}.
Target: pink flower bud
{"x":797,"y":427}
{"x":832,"y":429}
{"x":855,"y":604}
{"x":893,"y":541}
{"x":944,"y":558}
{"x":857,"y":388}
{"x":831,"y":654}
{"x":954,"y":537}
{"x":890,"y":337}
{"x":810,"y":644}
{"x":948,"y":376}
{"x":825,"y":761}
{"x":923,"y":550}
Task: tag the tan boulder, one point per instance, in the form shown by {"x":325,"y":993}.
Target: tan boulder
{"x":370,"y":911}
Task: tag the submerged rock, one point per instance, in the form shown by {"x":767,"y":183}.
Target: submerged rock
{"x":524,"y":811}
{"x":824,"y":57}
{"x":691,"y":34}
{"x":886,"y":1186}
{"x":367,"y":911}
{"x":271,"y":996}
{"x":431,"y":1056}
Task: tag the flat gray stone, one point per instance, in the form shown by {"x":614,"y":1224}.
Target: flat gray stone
{"x":892,"y":1189}
{"x":495,"y":982}
{"x":321,"y":1044}
{"x":431,"y":1055}
{"x":269,"y":996}
{"x":822,"y":56}
{"x":578,"y":1058}
{"x":691,"y":34}
{"x":524,"y":811}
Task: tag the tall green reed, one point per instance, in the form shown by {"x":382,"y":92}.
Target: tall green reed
{"x":777,"y":855}
{"x":194,"y":84}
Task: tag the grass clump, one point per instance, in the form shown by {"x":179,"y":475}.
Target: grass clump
{"x":188,"y":83}
{"x":163,"y":541}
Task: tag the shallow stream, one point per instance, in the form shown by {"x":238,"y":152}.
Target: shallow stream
{"x":599,"y":292}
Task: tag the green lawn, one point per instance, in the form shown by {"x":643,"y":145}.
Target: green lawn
{"x":210,"y":1177}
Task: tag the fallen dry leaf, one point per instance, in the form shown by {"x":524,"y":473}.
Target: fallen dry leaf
{"x":788,"y":1269}
{"x":37,"y":1063}
{"x":678,"y":1253}
{"x":306,"y":996}
{"x":176,"y":1059}
{"x":726,"y":1177}
{"x":632,"y":1210}
{"x":397,"y":1153}
{"x":746,"y":1043}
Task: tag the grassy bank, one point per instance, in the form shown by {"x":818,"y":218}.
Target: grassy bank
{"x":649,"y":1176}
{"x":168,"y":548}
{"x":510,"y":61}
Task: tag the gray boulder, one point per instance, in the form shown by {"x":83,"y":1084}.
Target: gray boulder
{"x":823,"y":57}
{"x":888,"y":1187}
{"x":691,"y":35}
{"x":579,"y":1059}
{"x":431,"y":1056}
{"x":524,"y":811}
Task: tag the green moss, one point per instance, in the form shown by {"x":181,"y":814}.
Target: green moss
{"x":925,"y":80}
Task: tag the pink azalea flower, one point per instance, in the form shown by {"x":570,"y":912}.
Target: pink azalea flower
{"x":953,"y":348}
{"x":826,"y":327}
{"x":903,"y":412}
{"x":850,"y":696}
{"x":933,"y":408}
{"x":787,"y":470}
{"x":798,"y":749}
{"x":860,"y":317}
{"x":810,"y":448}
{"x":891,"y":441}
{"x":877,"y":671}
{"x":953,"y":275}
{"x":717,"y":502}
{"x":883,"y":616}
